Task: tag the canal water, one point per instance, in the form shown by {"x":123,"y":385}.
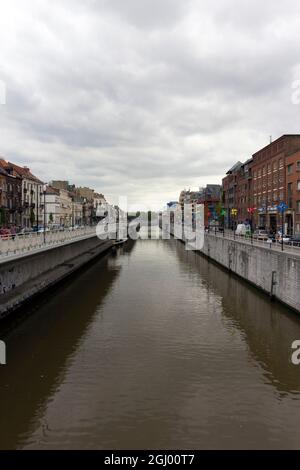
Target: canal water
{"x":152,"y":348}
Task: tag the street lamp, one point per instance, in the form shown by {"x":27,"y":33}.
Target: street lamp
{"x":234,"y":213}
{"x":223,"y":214}
{"x":44,"y":192}
{"x":251,"y":211}
{"x":282,"y":207}
{"x":37,"y":207}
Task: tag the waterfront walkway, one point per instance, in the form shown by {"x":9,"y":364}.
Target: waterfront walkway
{"x":275,"y":246}
{"x":14,"y":247}
{"x":18,"y":246}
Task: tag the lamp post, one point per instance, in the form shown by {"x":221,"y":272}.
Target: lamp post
{"x":251,"y":211}
{"x":223,"y":214}
{"x":282,"y":207}
{"x":73,"y":224}
{"x":234,"y":213}
{"x":44,"y":192}
{"x":37,"y":207}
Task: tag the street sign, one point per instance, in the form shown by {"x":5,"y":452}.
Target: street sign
{"x":282,"y":207}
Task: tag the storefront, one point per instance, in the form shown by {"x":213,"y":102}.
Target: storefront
{"x":268,"y":218}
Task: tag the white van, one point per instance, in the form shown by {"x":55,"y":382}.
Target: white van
{"x":243,"y":230}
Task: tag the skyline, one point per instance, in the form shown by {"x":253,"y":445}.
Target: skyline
{"x":145,"y":102}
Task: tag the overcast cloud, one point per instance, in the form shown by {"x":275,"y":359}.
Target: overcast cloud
{"x":145,"y":97}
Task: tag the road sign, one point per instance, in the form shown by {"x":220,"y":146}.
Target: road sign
{"x":282,"y":207}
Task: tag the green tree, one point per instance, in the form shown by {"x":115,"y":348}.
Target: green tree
{"x":32,"y":216}
{"x":2,"y":217}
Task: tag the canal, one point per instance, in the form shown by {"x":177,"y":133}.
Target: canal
{"x":153,"y":347}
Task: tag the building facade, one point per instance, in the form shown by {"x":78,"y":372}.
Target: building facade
{"x":59,"y":210}
{"x":253,"y":191}
{"x":10,"y":200}
{"x":293,"y":193}
{"x":31,"y":194}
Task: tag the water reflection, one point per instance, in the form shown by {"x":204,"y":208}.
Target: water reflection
{"x":268,"y":328}
{"x":39,"y":348}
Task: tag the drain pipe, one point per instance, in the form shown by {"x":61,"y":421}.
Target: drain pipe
{"x":273,"y":284}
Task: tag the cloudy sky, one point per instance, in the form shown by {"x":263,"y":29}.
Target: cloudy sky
{"x":145,"y":97}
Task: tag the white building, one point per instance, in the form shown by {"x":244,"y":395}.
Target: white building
{"x":59,"y":207}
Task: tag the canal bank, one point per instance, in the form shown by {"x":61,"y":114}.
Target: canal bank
{"x":29,"y":274}
{"x":274,"y":272}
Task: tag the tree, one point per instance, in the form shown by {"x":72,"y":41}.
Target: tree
{"x":2,"y":217}
{"x":32,"y":217}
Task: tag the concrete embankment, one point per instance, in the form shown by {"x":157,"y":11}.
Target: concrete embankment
{"x":274,"y":272}
{"x":23,"y":278}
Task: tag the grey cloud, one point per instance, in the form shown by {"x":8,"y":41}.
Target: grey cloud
{"x":132,"y":95}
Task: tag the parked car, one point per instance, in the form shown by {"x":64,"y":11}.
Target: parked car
{"x":24,"y":231}
{"x":261,"y":235}
{"x":286,"y":238}
{"x":57,"y":228}
{"x":36,"y":228}
{"x":5,"y":233}
{"x":294,"y":241}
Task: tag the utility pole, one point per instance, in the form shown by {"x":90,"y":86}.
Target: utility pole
{"x":44,"y":191}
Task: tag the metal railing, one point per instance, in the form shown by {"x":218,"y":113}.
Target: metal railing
{"x":14,"y":246}
{"x":276,"y":245}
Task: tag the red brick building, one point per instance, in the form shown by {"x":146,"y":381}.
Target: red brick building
{"x":270,"y":177}
{"x":270,"y":184}
{"x":229,"y":195}
{"x":243,"y":199}
{"x":293,"y":193}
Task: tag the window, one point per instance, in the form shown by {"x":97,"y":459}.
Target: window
{"x":290,"y":189}
{"x":298,"y":185}
{"x":298,"y":166}
{"x":281,"y":163}
{"x":290,"y":169}
{"x":275,"y":166}
{"x":298,"y":207}
{"x":281,"y":177}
